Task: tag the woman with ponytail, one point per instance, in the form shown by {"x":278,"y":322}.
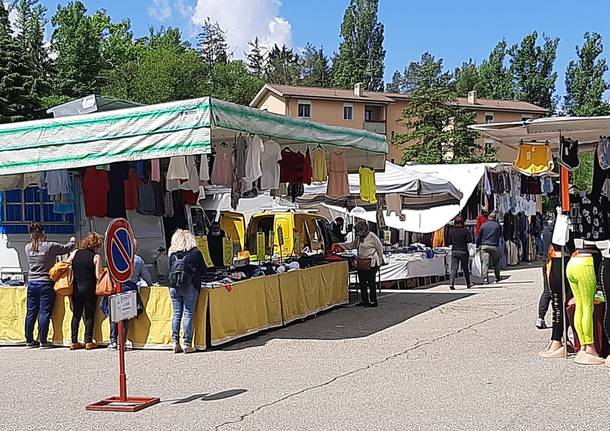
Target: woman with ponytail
{"x":41,"y":255}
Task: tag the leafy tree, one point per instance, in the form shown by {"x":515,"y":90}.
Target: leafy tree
{"x":168,"y":37}
{"x":466,"y":78}
{"x":315,"y":70}
{"x":78,"y":44}
{"x":495,"y":81}
{"x":531,"y":67}
{"x":427,"y":73}
{"x":437,"y":129}
{"x":232,"y":82}
{"x":282,"y":66}
{"x":585,"y":82}
{"x":257,"y":61}
{"x":395,"y":86}
{"x":361,"y":55}
{"x":17,"y":94}
{"x":212,"y":43}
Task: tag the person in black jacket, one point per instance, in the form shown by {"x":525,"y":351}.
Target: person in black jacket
{"x":489,"y":243}
{"x":458,"y":238}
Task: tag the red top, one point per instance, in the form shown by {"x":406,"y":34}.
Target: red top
{"x":95,"y":188}
{"x":480,"y":220}
{"x":131,"y":191}
{"x":307,"y":169}
{"x":291,"y":166}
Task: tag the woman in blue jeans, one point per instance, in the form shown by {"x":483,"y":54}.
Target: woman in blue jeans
{"x":41,"y":255}
{"x":186,"y":267}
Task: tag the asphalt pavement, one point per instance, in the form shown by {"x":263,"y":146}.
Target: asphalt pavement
{"x":426,"y":359}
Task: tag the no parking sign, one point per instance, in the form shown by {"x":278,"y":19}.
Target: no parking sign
{"x":119,"y":248}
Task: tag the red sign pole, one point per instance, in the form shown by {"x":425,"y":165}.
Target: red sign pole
{"x":121,"y":340}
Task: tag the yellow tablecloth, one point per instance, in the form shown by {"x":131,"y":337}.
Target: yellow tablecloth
{"x":246,"y":308}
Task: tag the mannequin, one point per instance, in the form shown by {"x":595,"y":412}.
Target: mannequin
{"x":556,"y":347}
{"x":583,"y":282}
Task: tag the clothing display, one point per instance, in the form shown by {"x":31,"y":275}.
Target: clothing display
{"x":589,"y":217}
{"x":320,"y":173}
{"x":95,"y":186}
{"x":291,"y":166}
{"x":131,"y":190}
{"x":368,"y":191}
{"x":55,"y":182}
{"x":534,"y":159}
{"x":393,"y":204}
{"x":581,"y":275}
{"x":603,"y":153}
{"x":147,"y":203}
{"x":554,"y":281}
{"x":177,"y":169}
{"x":241,"y":149}
{"x":222,"y":170}
{"x":253,"y":162}
{"x":338,"y":184}
{"x":204,"y":170}
{"x":270,"y":159}
{"x":605,"y":284}
{"x":568,"y":153}
{"x":307,"y":168}
{"x":155,"y":170}
{"x":119,"y":173}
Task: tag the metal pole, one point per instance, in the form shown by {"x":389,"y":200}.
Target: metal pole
{"x":121,"y":341}
{"x":563,"y":182}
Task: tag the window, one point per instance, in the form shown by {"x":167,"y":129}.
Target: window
{"x":368,"y":114}
{"x":304,"y":109}
{"x":21,"y":207}
{"x":489,"y":117}
{"x":489,"y":147}
{"x":348,"y":112}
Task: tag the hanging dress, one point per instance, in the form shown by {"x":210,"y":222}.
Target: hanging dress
{"x":338,"y":184}
{"x":368,"y":192}
{"x":320,"y":173}
{"x":222,"y":171}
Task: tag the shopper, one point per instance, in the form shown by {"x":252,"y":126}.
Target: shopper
{"x":480,"y":220}
{"x":186,"y":268}
{"x":458,"y":239}
{"x":140,"y":273}
{"x":370,"y":258}
{"x":489,"y":242}
{"x":545,"y":296}
{"x":87,"y":269}
{"x":336,"y":231}
{"x":41,"y":255}
{"x":215,"y":243}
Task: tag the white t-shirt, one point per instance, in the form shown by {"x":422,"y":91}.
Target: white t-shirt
{"x":271,"y":168}
{"x":56,"y":182}
{"x":253,"y":161}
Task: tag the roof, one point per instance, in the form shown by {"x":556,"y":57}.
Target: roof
{"x":319,"y":93}
{"x":386,"y":98}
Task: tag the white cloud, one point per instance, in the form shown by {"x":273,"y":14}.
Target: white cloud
{"x":160,"y":10}
{"x":243,"y":20}
{"x":12,"y":14}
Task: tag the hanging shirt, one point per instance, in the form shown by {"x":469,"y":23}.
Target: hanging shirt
{"x":96,"y":186}
{"x":534,"y":159}
{"x":241,"y":148}
{"x":55,"y":182}
{"x":177,"y":169}
{"x":319,"y":173}
{"x":568,"y":153}
{"x":589,"y":217}
{"x":393,"y":204}
{"x":253,"y":160}
{"x":222,"y":171}
{"x":147,"y":204}
{"x":140,"y":169}
{"x":190,"y":183}
{"x":155,"y":170}
{"x":131,"y":190}
{"x":291,"y":166}
{"x":204,"y":170}
{"x":368,"y":192}
{"x":338,"y":185}
{"x":271,"y":169}
{"x":603,"y":153}
{"x":307,"y":169}
{"x":119,"y":173}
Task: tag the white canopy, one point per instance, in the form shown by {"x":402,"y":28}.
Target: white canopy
{"x":464,"y":177}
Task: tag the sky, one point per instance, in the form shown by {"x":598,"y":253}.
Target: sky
{"x":452,"y":30}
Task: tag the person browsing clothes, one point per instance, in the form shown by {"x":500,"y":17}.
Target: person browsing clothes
{"x":458,"y":238}
{"x":488,"y":241}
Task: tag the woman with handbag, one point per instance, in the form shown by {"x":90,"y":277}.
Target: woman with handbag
{"x":41,"y":255}
{"x":369,"y":259}
{"x":459,"y":239}
{"x":87,"y":268}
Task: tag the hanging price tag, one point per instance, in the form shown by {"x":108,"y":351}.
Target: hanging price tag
{"x":227,"y":251}
{"x":260,"y":246}
{"x":204,"y":248}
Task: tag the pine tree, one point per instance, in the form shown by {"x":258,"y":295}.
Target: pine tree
{"x":212,"y":43}
{"x":17,"y":97}
{"x":585,"y":82}
{"x":466,"y":78}
{"x":426,"y":73}
{"x":531,"y":68}
{"x":256,"y":59}
{"x":495,"y":81}
{"x":315,"y":70}
{"x":397,"y":83}
{"x":361,"y":55}
{"x":282,"y":66}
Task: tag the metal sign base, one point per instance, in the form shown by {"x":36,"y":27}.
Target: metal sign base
{"x":129,"y":404}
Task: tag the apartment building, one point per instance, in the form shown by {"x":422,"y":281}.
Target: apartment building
{"x":381,"y":112}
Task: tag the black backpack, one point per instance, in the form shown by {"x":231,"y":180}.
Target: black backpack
{"x":180,"y":275}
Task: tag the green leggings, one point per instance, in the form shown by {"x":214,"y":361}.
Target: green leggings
{"x":581,"y":275}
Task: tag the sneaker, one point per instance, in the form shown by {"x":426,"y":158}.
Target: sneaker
{"x":468,"y":286}
{"x":32,"y":344}
{"x":452,"y":287}
{"x":541,"y":324}
{"x":77,"y":346}
{"x":46,"y":345}
{"x":189,"y":349}
{"x":90,"y":346}
{"x":177,"y":348}
{"x":112,"y":346}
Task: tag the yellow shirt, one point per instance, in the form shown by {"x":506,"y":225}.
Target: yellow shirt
{"x":320,"y":173}
{"x":368,"y":191}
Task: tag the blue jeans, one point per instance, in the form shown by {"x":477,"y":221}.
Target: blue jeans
{"x":184,"y":301}
{"x":40,"y":301}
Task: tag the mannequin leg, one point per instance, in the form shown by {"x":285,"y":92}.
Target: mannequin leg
{"x":556,"y":345}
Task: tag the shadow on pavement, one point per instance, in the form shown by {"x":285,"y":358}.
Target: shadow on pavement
{"x":356,"y":322}
{"x":209,"y":397}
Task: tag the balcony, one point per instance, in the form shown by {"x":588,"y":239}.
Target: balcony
{"x":375,"y":126}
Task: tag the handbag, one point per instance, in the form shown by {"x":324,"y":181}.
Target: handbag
{"x":363,"y":264}
{"x":105,"y":285}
